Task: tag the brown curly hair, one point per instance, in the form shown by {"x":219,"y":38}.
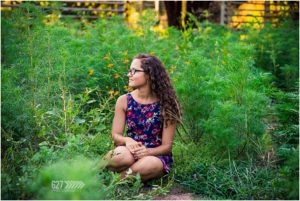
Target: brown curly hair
{"x":161,"y":85}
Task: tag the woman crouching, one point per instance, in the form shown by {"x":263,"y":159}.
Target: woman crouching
{"x":151,"y":112}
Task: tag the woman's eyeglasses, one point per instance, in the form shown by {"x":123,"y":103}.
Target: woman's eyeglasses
{"x":132,"y":71}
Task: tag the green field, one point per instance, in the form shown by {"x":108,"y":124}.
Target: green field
{"x":61,"y":79}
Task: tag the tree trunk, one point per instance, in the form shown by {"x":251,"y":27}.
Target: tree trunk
{"x":173,"y":9}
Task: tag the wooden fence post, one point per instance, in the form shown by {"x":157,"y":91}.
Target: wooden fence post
{"x":183,"y":12}
{"x":222,"y":16}
{"x":267,"y":12}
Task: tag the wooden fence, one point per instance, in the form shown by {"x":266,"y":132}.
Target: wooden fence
{"x":77,"y":9}
{"x":232,"y":13}
{"x":237,"y":13}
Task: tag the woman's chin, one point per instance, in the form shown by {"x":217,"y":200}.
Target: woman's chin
{"x":131,"y":85}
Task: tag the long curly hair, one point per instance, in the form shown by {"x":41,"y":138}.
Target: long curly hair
{"x":161,"y":85}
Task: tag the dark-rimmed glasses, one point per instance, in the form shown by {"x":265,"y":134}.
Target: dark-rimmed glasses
{"x":132,"y":71}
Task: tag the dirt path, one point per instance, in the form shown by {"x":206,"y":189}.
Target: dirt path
{"x":177,"y":192}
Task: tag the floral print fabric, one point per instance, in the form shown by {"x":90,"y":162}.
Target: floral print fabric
{"x":144,"y":125}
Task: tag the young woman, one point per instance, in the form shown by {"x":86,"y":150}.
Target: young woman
{"x":151,"y":112}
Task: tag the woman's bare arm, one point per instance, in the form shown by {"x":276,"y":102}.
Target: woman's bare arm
{"x":119,"y":121}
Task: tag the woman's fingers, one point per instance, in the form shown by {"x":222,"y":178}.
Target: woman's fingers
{"x":141,"y":151}
{"x":135,"y":147}
{"x":138,"y":148}
{"x":130,"y":148}
{"x":139,"y":144}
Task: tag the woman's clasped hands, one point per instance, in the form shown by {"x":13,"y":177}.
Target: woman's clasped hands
{"x":137,"y":149}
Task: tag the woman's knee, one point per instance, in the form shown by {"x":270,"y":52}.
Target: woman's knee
{"x":108,"y":156}
{"x":121,"y":156}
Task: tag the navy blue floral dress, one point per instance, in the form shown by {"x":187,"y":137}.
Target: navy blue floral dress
{"x":144,"y":125}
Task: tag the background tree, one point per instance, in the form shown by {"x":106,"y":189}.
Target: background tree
{"x":175,"y":9}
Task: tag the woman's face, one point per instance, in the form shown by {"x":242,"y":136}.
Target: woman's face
{"x":136,"y":75}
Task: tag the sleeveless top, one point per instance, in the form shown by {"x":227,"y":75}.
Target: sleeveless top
{"x":144,"y":122}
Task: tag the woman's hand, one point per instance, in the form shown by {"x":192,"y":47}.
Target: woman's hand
{"x":132,"y":145}
{"x":141,"y":152}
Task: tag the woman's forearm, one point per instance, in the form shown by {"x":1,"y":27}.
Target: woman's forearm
{"x":119,"y":139}
{"x":160,"y":150}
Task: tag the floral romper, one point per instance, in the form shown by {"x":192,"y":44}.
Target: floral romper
{"x":144,"y":125}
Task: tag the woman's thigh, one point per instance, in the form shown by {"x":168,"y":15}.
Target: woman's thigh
{"x":119,"y":159}
{"x":149,"y":167}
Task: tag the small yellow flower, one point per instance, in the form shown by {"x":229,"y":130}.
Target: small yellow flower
{"x":177,"y":48}
{"x":116,"y":93}
{"x":173,"y":68}
{"x":110,"y":65}
{"x":91,"y":72}
{"x":187,"y":62}
{"x":116,"y":76}
{"x":152,"y":53}
{"x":111,"y":92}
{"x":243,"y":37}
{"x":126,"y":61}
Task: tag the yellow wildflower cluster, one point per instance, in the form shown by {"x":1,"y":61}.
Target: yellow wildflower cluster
{"x":44,"y":3}
{"x":163,"y":33}
{"x":113,"y":93}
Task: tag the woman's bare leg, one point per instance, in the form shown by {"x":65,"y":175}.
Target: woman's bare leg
{"x":119,"y":159}
{"x":149,"y":167}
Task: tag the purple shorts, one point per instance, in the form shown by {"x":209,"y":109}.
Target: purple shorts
{"x":167,"y":161}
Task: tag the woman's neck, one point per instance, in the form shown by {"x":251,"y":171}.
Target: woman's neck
{"x":145,"y":93}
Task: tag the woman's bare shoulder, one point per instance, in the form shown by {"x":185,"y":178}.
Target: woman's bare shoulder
{"x":122,"y":101}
